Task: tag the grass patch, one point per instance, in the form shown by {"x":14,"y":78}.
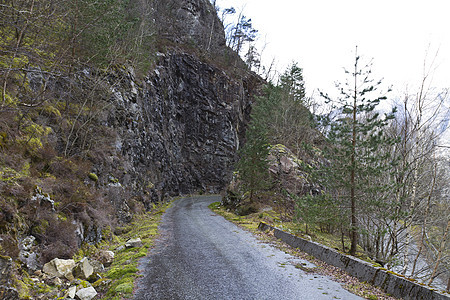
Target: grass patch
{"x":121,"y":275}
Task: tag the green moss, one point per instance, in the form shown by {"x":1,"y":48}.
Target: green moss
{"x":93,"y":177}
{"x":121,"y":271}
{"x":62,"y":217}
{"x":101,"y":282}
{"x":11,"y":175}
{"x":51,"y":111}
{"x":23,"y":289}
{"x":279,"y":147}
{"x":82,"y":284}
{"x":126,"y":288}
{"x":42,"y":288}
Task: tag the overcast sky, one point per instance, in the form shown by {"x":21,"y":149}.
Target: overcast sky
{"x":321,"y":36}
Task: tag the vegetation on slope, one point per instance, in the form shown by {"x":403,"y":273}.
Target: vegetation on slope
{"x":352,"y":172}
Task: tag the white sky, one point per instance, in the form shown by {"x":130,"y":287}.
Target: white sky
{"x":321,"y":36}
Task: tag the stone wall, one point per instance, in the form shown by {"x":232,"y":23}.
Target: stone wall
{"x":391,"y":283}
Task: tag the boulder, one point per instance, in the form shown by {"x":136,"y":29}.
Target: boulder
{"x":83,"y":269}
{"x":133,"y":243}
{"x":86,"y":293}
{"x":60,"y":268}
{"x":106,"y":257}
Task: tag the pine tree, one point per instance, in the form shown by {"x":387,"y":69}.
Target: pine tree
{"x":253,"y":166}
{"x":353,"y":146}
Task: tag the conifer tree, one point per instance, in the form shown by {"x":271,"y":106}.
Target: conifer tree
{"x":354,"y":140}
{"x":253,"y":165}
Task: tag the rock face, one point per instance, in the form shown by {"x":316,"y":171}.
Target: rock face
{"x":180,"y":129}
{"x":197,"y":23}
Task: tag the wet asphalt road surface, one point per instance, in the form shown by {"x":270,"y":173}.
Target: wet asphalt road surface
{"x":200,"y":255}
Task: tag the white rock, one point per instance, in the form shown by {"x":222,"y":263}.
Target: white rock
{"x":86,"y":294}
{"x":30,"y":259}
{"x":60,"y":268}
{"x":70,"y":293}
{"x":132,"y":243}
{"x":27,"y":243}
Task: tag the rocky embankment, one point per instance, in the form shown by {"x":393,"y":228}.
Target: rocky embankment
{"x":105,"y":145}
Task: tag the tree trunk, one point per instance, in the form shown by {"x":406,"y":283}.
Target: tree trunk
{"x":424,"y":226}
{"x":441,"y":249}
{"x":354,"y":225}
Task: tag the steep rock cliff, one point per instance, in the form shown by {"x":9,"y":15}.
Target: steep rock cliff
{"x":197,"y":24}
{"x":179,"y":129}
{"x":82,"y":145}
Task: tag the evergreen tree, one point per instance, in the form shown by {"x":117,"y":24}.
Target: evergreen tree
{"x":292,"y":122}
{"x":253,"y":166}
{"x":292,"y":82}
{"x":354,"y":140}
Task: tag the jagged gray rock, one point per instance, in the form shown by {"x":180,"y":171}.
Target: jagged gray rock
{"x":70,"y":293}
{"x":83,"y":269}
{"x":180,"y":134}
{"x":197,"y":23}
{"x":26,"y":255}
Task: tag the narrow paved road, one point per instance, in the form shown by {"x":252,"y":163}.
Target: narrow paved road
{"x":200,"y":255}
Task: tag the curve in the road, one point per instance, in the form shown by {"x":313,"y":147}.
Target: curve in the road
{"x":200,"y":255}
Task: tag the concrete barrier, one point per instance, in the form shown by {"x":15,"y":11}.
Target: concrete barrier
{"x":392,"y":283}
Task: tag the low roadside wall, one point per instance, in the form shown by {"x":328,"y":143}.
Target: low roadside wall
{"x":392,"y":283}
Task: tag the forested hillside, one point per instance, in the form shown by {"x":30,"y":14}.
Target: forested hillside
{"x":108,"y":109}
